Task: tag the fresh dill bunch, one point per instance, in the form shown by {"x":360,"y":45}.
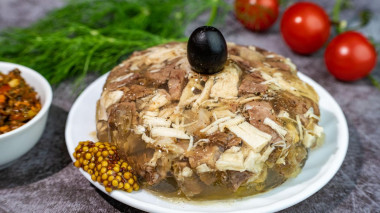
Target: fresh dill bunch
{"x":95,"y":35}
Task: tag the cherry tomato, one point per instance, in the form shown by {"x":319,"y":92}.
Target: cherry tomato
{"x":256,"y":15}
{"x":350,"y":56}
{"x":305,"y":27}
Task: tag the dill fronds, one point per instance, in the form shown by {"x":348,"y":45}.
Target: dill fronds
{"x":94,"y":35}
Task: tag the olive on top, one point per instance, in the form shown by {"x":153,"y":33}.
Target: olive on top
{"x":207,"y":50}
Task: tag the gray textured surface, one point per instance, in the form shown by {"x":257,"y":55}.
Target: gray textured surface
{"x":45,"y":181}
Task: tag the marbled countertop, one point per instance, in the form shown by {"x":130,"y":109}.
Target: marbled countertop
{"x":44,"y":180}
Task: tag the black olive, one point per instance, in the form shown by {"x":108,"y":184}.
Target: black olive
{"x":207,"y":50}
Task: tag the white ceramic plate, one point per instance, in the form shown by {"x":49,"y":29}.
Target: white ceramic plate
{"x":320,"y":167}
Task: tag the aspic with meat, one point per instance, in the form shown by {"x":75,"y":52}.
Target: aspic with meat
{"x":234,"y":133}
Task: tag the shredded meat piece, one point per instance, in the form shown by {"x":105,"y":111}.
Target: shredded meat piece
{"x":294,"y":105}
{"x":118,"y":81}
{"x":226,"y":140}
{"x":235,"y":141}
{"x":208,"y":178}
{"x":176,"y":83}
{"x":191,"y":185}
{"x":219,"y":138}
{"x":139,"y":160}
{"x":208,"y":154}
{"x":237,"y":178}
{"x":135,"y":92}
{"x":258,"y":111}
{"x":251,"y":84}
{"x":158,"y":77}
{"x":278,"y":64}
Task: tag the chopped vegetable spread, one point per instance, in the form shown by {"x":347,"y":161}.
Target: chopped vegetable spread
{"x":18,"y":101}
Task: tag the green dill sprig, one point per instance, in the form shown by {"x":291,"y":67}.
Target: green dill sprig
{"x":94,"y":35}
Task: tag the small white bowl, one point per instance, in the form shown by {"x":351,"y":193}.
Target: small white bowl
{"x":19,"y":141}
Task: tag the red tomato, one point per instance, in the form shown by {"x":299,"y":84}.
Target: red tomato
{"x":350,"y":56}
{"x":305,"y":27}
{"x":256,"y":15}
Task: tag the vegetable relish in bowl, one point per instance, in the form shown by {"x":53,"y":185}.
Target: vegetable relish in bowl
{"x":18,"y":101}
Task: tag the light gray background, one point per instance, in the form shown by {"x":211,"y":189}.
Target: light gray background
{"x":44,"y":180}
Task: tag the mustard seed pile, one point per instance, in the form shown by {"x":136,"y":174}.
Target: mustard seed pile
{"x":103,"y":163}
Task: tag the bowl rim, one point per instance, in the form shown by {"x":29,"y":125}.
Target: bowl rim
{"x":46,"y":88}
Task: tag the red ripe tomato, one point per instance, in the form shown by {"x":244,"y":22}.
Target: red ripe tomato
{"x":350,"y":56}
{"x":256,"y":15}
{"x":305,"y":27}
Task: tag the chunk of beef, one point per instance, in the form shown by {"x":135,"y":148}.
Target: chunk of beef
{"x":158,"y":76}
{"x":225,"y":140}
{"x":138,"y":162}
{"x":164,"y":165}
{"x":121,"y":79}
{"x":258,"y":111}
{"x":236,"y":178}
{"x":244,"y":66}
{"x":121,"y":118}
{"x":207,"y":154}
{"x":152,"y":174}
{"x":208,"y":178}
{"x":275,"y":63}
{"x":295,"y":105}
{"x":176,"y":83}
{"x":190,"y":185}
{"x":235,"y":141}
{"x":135,"y":92}
{"x":251,"y":84}
{"x":219,"y":138}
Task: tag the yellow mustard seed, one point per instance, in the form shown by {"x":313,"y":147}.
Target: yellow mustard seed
{"x":131,"y":181}
{"x":104,"y":163}
{"x":127,"y":175}
{"x":85,"y":162}
{"x":91,"y":165}
{"x":115,"y":183}
{"x":108,"y":189}
{"x":77,"y":164}
{"x":105,"y":153}
{"x":116,"y":169}
{"x":88,"y":156}
{"x":104,"y":176}
{"x":127,"y":186}
{"x":103,"y":170}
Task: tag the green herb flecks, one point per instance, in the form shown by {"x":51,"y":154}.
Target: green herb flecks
{"x":95,"y":35}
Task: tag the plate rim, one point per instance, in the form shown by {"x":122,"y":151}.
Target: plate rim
{"x":343,"y":142}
